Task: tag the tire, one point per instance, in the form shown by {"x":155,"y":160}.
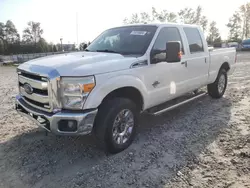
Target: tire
{"x":107,"y":124}
{"x":217,"y":89}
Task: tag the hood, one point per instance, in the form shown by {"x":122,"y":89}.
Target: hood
{"x":79,"y":64}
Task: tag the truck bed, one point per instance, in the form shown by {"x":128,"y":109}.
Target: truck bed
{"x":219,"y":56}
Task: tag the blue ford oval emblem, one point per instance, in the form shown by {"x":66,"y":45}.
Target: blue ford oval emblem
{"x":27,"y":88}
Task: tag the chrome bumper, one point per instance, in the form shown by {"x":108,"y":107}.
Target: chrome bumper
{"x":50,"y":121}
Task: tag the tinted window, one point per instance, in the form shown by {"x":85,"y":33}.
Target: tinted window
{"x":159,"y":49}
{"x":124,"y":40}
{"x":246,"y":41}
{"x":194,"y":40}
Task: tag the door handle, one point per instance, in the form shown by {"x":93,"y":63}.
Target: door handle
{"x":184,"y":63}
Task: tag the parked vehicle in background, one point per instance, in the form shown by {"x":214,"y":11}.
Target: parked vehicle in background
{"x":245,"y":45}
{"x":125,"y":71}
{"x":4,"y":61}
{"x":235,"y":45}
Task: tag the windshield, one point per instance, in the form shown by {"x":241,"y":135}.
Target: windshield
{"x":124,"y":40}
{"x":246,"y":41}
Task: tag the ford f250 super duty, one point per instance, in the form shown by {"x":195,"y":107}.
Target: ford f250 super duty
{"x":123,"y":72}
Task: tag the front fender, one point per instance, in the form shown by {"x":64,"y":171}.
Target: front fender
{"x":104,"y":87}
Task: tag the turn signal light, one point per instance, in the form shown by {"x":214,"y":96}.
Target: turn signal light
{"x":88,"y":87}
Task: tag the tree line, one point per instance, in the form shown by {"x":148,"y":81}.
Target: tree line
{"x":186,"y":15}
{"x":238,"y":25}
{"x":32,"y":40}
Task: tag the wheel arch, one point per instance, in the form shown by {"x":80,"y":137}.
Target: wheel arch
{"x":225,"y":66}
{"x":126,"y":86}
{"x":128,"y":92}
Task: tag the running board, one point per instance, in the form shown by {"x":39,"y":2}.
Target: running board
{"x":178,"y":104}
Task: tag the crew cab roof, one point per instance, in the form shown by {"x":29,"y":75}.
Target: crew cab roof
{"x":159,"y":24}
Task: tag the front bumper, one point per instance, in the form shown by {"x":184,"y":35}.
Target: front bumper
{"x":50,"y":121}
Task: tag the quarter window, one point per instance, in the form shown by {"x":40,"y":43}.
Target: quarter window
{"x":194,"y":40}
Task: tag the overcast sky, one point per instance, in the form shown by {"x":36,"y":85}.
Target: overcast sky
{"x":58,"y":17}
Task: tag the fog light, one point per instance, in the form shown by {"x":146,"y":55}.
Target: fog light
{"x":67,"y":125}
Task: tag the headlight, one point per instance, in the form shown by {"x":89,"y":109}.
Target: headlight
{"x":75,"y":90}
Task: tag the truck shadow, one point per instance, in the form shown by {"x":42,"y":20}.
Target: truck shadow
{"x":164,"y":145}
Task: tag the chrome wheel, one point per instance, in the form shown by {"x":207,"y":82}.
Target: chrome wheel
{"x":123,"y":126}
{"x":221,"y":83}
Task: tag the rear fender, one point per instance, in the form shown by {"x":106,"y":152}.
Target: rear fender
{"x":213,"y":74}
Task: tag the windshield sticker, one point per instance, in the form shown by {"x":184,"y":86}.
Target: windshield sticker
{"x":138,"y":32}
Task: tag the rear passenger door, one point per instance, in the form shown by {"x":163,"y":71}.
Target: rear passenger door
{"x":197,"y":59}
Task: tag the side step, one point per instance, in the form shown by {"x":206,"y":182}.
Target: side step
{"x":175,"y":103}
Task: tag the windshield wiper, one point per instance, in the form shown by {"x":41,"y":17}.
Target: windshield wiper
{"x":108,"y":51}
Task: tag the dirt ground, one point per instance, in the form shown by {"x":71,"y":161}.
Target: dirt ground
{"x":203,"y":144}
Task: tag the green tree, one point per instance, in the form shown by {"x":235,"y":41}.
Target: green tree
{"x":50,"y":47}
{"x":191,"y":16}
{"x":144,"y":17}
{"x":235,"y":28}
{"x":1,"y":30}
{"x":134,"y":19}
{"x":73,"y":47}
{"x":213,"y":34}
{"x":32,"y":34}
{"x":42,"y":46}
{"x":9,"y":38}
{"x":10,"y":33}
{"x":1,"y":47}
{"x":163,"y":16}
{"x":187,"y":15}
{"x":245,"y":17}
{"x":54,"y":48}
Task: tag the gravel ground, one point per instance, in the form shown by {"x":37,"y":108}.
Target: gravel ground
{"x":203,"y":144}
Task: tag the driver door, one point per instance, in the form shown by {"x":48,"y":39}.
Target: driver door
{"x":165,"y":81}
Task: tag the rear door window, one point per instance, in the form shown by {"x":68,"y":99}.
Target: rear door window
{"x":194,"y":39}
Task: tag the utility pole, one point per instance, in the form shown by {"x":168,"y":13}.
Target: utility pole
{"x":61,"y":44}
{"x":77,"y":28}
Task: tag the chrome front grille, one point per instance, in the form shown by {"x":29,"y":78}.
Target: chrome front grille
{"x":39,"y":95}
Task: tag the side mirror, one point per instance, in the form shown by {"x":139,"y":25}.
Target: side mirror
{"x":173,"y":52}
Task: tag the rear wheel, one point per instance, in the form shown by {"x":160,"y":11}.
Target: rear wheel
{"x":218,"y":88}
{"x":116,"y":124}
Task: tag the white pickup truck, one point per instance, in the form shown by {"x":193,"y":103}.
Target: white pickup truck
{"x":123,"y":72}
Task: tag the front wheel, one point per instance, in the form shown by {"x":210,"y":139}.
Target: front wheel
{"x":116,"y":124}
{"x":218,"y":88}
